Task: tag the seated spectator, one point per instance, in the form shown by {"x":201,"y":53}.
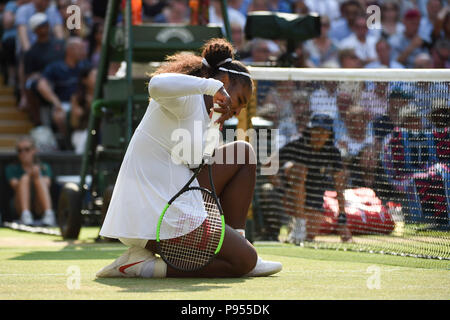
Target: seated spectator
{"x":323,"y":99}
{"x":329,"y":8}
{"x":234,"y":16}
{"x":280,"y":6}
{"x":43,"y":52}
{"x":383,"y":60}
{"x":390,"y":20}
{"x":297,"y":59}
{"x":95,"y":43}
{"x":86,"y":11}
{"x":366,"y":171}
{"x":440,"y":119}
{"x":426,"y":91}
{"x":176,"y":11}
{"x":81,"y":102}
{"x":151,"y":8}
{"x":281,"y":98}
{"x":30,"y":181}
{"x":384,"y":125}
{"x":46,"y":49}
{"x":357,"y":132}
{"x":410,"y":119}
{"x":322,"y":49}
{"x":441,"y":28}
{"x":302,"y":112}
{"x":374,"y":97}
{"x":24,"y":14}
{"x":414,"y":160}
{"x":408,"y":44}
{"x":360,"y":41}
{"x":347,"y":58}
{"x":259,"y":5}
{"x":342,"y":27}
{"x":262,"y":52}
{"x":428,"y":21}
{"x":423,"y":61}
{"x":59,"y":81}
{"x":26,"y":38}
{"x":9,"y":35}
{"x":239,"y":42}
{"x":299,"y":7}
{"x":440,"y":53}
{"x":343,"y":102}
{"x":312,"y":165}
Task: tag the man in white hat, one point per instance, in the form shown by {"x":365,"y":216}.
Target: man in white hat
{"x":23,"y":17}
{"x":25,"y":36}
{"x":44,"y":51}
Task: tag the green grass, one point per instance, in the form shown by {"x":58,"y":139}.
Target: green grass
{"x":38,"y":267}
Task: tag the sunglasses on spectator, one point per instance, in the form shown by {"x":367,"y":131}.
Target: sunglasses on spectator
{"x":25,"y":149}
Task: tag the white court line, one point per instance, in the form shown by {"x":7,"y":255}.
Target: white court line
{"x":31,"y":274}
{"x":56,"y":249}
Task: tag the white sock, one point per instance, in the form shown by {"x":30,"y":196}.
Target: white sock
{"x":147,"y":268}
{"x":26,"y":214}
{"x":49,"y":212}
{"x":153,"y":268}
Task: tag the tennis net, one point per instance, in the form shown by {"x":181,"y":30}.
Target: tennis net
{"x":362,"y":157}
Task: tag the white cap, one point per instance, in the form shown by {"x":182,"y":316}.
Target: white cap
{"x":37,"y":20}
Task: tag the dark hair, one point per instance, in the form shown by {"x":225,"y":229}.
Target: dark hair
{"x":30,"y":139}
{"x":215,"y":52}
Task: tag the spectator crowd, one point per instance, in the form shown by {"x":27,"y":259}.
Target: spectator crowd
{"x":52,"y":66}
{"x":53,"y":71}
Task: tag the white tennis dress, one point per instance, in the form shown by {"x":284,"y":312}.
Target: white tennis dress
{"x":154,"y":169}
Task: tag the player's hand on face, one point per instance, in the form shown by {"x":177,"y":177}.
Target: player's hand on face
{"x":223,"y":99}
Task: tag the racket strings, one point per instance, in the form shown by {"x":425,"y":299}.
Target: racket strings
{"x":196,"y":248}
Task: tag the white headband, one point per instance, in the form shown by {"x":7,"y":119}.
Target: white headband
{"x":234,"y":71}
{"x":205,"y":62}
{"x":224,"y":61}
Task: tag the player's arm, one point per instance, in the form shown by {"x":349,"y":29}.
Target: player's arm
{"x":172,"y":91}
{"x":173,"y":85}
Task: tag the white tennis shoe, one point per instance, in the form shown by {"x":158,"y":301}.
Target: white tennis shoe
{"x":131,"y":264}
{"x":265,"y":268}
{"x":26,"y":218}
{"x":49,"y":218}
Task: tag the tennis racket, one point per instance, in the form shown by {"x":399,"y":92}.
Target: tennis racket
{"x":188,"y":250}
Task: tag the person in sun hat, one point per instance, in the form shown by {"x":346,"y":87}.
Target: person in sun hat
{"x":312,"y":165}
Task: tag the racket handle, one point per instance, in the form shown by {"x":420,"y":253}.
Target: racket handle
{"x":212,"y":135}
